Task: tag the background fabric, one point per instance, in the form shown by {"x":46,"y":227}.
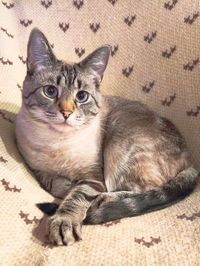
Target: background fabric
{"x":155,"y":58}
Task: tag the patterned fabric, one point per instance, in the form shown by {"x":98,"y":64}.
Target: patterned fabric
{"x":155,"y":58}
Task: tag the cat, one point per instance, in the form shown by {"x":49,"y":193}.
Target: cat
{"x":105,"y":156}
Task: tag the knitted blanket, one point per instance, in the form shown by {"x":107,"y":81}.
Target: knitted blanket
{"x":155,"y":59}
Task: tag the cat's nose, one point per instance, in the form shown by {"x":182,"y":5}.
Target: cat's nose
{"x":66,"y":114}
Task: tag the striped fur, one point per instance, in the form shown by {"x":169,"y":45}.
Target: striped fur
{"x":106,"y":157}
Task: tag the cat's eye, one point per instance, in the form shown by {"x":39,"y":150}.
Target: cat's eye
{"x":50,"y":91}
{"x":82,"y":96}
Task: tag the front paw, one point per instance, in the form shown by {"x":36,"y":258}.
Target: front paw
{"x":102,"y":200}
{"x":64,"y":229}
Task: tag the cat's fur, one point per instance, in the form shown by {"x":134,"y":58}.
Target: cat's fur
{"x":107,"y":157}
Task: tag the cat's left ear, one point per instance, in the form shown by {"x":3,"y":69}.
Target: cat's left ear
{"x":96,"y":62}
{"x":39,"y":52}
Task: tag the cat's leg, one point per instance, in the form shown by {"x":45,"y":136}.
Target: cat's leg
{"x":64,"y":227}
{"x":56,"y":185}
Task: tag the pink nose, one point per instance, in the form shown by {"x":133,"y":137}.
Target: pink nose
{"x":66,"y":114}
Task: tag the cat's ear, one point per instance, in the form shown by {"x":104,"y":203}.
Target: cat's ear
{"x":39,"y":52}
{"x":96,"y":62}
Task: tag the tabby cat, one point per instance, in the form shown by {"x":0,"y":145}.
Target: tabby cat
{"x":105,"y":156}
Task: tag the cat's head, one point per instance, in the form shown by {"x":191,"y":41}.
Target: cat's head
{"x":58,"y":93}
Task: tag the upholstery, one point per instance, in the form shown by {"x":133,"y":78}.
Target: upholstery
{"x":155,"y":59}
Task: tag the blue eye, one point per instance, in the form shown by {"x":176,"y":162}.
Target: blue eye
{"x":50,"y":91}
{"x":82,"y":96}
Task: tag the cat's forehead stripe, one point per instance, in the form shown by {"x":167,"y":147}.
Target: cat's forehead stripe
{"x":58,"y":80}
{"x":79,"y":82}
{"x":69,"y":73}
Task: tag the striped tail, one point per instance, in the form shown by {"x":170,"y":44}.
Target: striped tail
{"x":131,"y":204}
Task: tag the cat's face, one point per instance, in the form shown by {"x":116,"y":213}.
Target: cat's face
{"x":60,"y":94}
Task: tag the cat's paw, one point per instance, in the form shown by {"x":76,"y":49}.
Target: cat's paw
{"x":102,"y":199}
{"x":64,"y":229}
{"x":100,"y":206}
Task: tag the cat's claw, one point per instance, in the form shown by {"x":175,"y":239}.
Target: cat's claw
{"x":64,"y":229}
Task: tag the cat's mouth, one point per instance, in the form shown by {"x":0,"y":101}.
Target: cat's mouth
{"x":63,"y":125}
{"x":67,"y":125}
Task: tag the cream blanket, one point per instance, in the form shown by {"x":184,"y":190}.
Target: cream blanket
{"x":155,"y":59}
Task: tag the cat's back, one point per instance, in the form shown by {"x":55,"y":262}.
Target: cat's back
{"x":135,"y":117}
{"x":124,"y":114}
{"x":116,"y":103}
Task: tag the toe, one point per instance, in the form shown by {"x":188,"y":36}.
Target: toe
{"x":54,"y":233}
{"x":77,"y":231}
{"x":67,"y":233}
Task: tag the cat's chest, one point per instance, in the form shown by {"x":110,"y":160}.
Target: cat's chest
{"x":70,"y":154}
{"x":64,"y":154}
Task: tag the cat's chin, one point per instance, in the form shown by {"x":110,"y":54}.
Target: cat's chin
{"x":63,"y":127}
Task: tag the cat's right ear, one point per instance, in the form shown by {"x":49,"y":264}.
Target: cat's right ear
{"x":96,"y":62}
{"x":39,"y":52}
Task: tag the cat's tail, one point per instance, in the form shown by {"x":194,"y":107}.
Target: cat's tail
{"x":127,"y":204}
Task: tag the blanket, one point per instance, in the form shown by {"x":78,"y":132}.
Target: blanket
{"x":155,"y":58}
